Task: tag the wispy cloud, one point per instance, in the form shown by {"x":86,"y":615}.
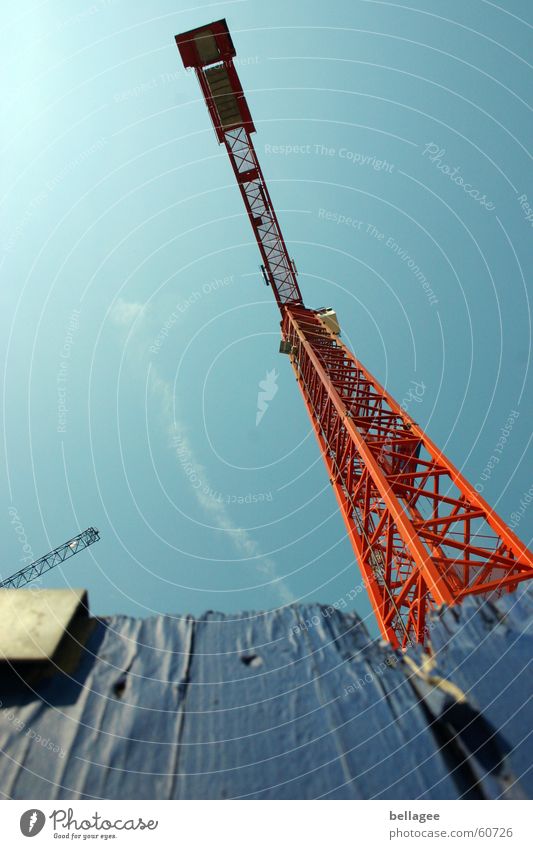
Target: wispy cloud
{"x":124,"y":313}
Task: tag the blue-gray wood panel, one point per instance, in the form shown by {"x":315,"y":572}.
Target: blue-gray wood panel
{"x":488,"y":651}
{"x":263,"y":705}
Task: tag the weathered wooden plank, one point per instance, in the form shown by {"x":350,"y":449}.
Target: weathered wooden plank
{"x":293,"y":703}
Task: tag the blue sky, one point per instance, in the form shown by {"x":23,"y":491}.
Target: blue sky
{"x":132,"y":297}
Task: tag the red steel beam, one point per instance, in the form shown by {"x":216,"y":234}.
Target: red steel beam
{"x":209,"y":50}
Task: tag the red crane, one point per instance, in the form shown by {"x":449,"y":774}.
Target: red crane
{"x":422,"y":535}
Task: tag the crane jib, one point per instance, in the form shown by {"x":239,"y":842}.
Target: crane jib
{"x":421,"y":533}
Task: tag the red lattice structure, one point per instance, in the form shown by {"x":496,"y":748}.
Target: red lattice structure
{"x":422,"y":535}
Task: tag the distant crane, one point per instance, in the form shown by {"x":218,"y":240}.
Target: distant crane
{"x":422,"y":535}
{"x":53,"y":558}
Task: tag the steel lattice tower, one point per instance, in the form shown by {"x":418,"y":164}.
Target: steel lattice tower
{"x":422,"y":535}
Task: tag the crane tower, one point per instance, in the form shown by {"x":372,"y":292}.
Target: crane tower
{"x":422,"y":535}
{"x":63,"y":552}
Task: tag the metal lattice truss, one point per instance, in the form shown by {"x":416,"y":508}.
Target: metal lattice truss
{"x":421,"y":533}
{"x":53,"y":558}
{"x":279,"y":268}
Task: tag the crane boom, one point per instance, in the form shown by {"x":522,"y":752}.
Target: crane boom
{"x":422,"y":535}
{"x":53,"y":558}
